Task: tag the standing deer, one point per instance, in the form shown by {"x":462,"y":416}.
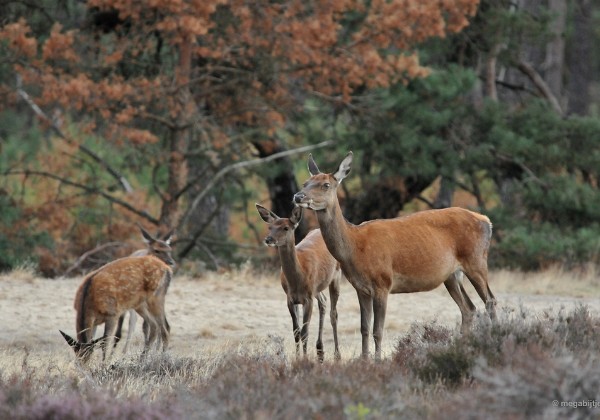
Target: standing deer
{"x":154,"y":246}
{"x":138,"y":283}
{"x":408,"y":254}
{"x":306,"y":270}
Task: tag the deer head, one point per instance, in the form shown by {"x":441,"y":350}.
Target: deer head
{"x":160,"y":248}
{"x":320,"y":190}
{"x":83,"y":351}
{"x":281,"y":230}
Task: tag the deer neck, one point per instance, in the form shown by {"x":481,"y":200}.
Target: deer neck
{"x":290,"y":265}
{"x":335,"y":230}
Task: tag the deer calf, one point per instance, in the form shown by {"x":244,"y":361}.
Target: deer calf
{"x":105,"y":295}
{"x":154,"y":246}
{"x":306,"y":270}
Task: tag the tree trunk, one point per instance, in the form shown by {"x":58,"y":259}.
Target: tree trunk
{"x":444,"y":196}
{"x":177,"y":166}
{"x":384,"y":199}
{"x":281,"y":183}
{"x":555,"y":50}
{"x":580,"y":65}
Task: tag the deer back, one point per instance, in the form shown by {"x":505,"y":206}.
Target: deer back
{"x":119,"y":286}
{"x":420,"y":250}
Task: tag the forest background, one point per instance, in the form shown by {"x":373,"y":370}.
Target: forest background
{"x":173,"y":114}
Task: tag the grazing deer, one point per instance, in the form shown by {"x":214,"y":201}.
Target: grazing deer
{"x":408,"y":254}
{"x":306,"y":270}
{"x":138,"y":283}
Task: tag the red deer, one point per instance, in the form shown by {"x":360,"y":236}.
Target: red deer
{"x":138,"y":283}
{"x":415,"y":253}
{"x":154,"y":246}
{"x":306,"y":270}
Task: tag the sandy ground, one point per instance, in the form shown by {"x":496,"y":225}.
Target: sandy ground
{"x":226,"y":309}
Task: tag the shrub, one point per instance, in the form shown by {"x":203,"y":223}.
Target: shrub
{"x":432,"y":354}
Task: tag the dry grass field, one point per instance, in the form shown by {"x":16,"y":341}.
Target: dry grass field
{"x":232,"y":352}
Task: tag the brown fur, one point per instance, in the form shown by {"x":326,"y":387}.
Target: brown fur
{"x":159,"y":248}
{"x":307,"y":269}
{"x":404,"y":255}
{"x":133,"y":283}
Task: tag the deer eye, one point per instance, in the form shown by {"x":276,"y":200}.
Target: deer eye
{"x":326,"y":186}
{"x":286,"y":228}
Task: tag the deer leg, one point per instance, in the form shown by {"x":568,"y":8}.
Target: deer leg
{"x":379,"y":309}
{"x":130,"y":329}
{"x":86,"y":346}
{"x":110,"y":329}
{"x":119,"y":332}
{"x":366,"y":312}
{"x":150,"y":328}
{"x":307,"y":312}
{"x":153,"y":331}
{"x":295,"y":326}
{"x":165,"y":329}
{"x":145,"y":330}
{"x":161,"y":318}
{"x":334,"y":294}
{"x":478,"y":279}
{"x":490,"y":306}
{"x":322,"y":305}
{"x":458,"y":293}
{"x":167,"y":324}
{"x":157,"y":321}
{"x":91,"y":332}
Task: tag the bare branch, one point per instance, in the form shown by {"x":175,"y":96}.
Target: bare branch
{"x":194,"y":241}
{"x":245,"y":164}
{"x":40,"y":113}
{"x":155,"y":186}
{"x":85,"y":255}
{"x":90,"y":190}
{"x":425,"y":200}
{"x":211,"y":256}
{"x":161,"y":120}
{"x":523,"y":167}
{"x":540,"y":84}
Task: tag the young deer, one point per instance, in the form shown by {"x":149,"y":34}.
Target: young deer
{"x":408,"y":254}
{"x":154,"y":246}
{"x":306,"y":270}
{"x":138,"y":283}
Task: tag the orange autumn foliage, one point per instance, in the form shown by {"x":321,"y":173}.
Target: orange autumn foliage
{"x":262,"y":50}
{"x":175,"y":77}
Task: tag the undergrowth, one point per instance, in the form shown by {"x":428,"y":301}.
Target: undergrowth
{"x":514,"y":368}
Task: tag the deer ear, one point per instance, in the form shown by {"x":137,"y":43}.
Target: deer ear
{"x":70,"y":341}
{"x":147,"y":237}
{"x":344,"y":168}
{"x":168,"y":237}
{"x":267,"y":215}
{"x":313,"y":169}
{"x":296,"y":216}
